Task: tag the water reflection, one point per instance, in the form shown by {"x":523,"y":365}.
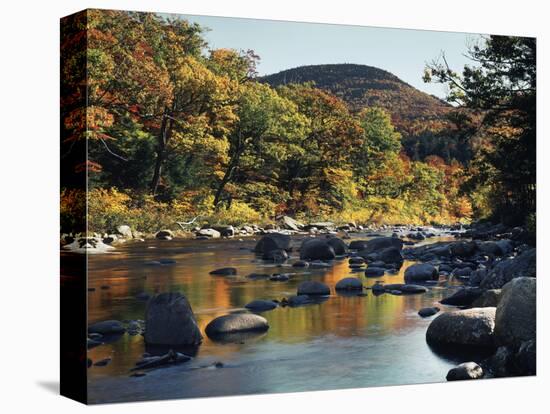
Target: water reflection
{"x":347,"y":324}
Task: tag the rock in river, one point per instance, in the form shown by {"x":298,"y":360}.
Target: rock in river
{"x":273,"y":241}
{"x":170,"y":321}
{"x":312,"y":287}
{"x":260,"y":305}
{"x":224,"y":271}
{"x":524,"y":265}
{"x":421,"y":272}
{"x":107,"y":327}
{"x":374,"y":271}
{"x":340,"y":248}
{"x":349,"y":283}
{"x":470,"y":327}
{"x":426,"y":312}
{"x":465,"y":371}
{"x":317,"y":249}
{"x":373,"y":245}
{"x":236,"y":322}
{"x":516,"y":316}
{"x":462,"y":297}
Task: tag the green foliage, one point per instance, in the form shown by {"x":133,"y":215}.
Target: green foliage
{"x":503,"y":86}
{"x":176,"y":130}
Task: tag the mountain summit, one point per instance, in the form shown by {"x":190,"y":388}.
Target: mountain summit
{"x":362,"y":85}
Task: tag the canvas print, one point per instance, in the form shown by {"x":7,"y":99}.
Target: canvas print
{"x":254,"y":206}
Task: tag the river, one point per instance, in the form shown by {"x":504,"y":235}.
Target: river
{"x":347,"y":341}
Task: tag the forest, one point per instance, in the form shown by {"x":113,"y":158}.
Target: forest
{"x":175,"y":130}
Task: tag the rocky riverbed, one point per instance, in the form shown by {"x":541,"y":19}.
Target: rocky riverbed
{"x":290,"y":312}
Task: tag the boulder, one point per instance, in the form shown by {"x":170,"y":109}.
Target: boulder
{"x":427,"y":312}
{"x":273,"y":241}
{"x":489,"y":298}
{"x":313,"y":287}
{"x":210,"y":233}
{"x":289,"y":223}
{"x":465,"y":371}
{"x":462,"y":297}
{"x":356,"y":260}
{"x":316,"y":249}
{"x":224,"y":271}
{"x":526,"y":358}
{"x":169,"y":320}
{"x":516,"y":316}
{"x":390,"y":255}
{"x":279,"y":277}
{"x":412,"y":289}
{"x":278,"y":255}
{"x":235,"y":323}
{"x":421,"y":272}
{"x":471,"y":327}
{"x":164,"y":235}
{"x":377,"y":244}
{"x":349,"y":283}
{"x":340,"y":248}
{"x":125,"y":231}
{"x":374,"y":271}
{"x":523,"y":265}
{"x":495,"y":248}
{"x":300,"y":263}
{"x":260,"y":305}
{"x":225,"y":231}
{"x":463,"y":249}
{"x":109,"y":327}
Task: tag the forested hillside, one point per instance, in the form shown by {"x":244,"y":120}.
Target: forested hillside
{"x":177,"y":130}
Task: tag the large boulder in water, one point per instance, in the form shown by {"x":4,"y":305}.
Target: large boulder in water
{"x":524,"y":265}
{"x":421,"y":272}
{"x":170,"y":320}
{"x":470,"y":327}
{"x":235,"y":323}
{"x":317,"y":249}
{"x":340,"y":248}
{"x":516,"y":316}
{"x":273,"y":241}
{"x":312,"y":287}
{"x":289,"y":223}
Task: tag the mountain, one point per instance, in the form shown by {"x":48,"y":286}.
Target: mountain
{"x":361,"y":85}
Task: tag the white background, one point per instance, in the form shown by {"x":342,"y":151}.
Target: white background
{"x":29,"y":188}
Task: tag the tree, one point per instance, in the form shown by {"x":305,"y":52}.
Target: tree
{"x":502,"y":84}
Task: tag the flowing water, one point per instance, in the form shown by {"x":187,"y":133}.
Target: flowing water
{"x":347,"y":341}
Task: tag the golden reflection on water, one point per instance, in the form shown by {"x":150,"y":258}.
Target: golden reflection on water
{"x":342,"y":316}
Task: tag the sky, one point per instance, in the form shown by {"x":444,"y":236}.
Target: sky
{"x":284,"y":45}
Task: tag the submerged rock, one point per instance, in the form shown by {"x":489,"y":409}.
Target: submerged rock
{"x":170,"y":321}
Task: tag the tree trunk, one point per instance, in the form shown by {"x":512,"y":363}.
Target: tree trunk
{"x":162,"y":141}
